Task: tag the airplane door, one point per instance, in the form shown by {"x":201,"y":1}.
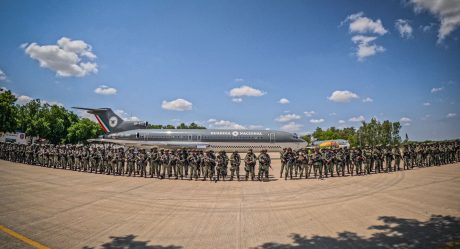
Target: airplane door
{"x":272,"y":137}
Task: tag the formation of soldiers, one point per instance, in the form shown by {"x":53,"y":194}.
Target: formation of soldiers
{"x":197,"y":164}
{"x":320,"y":163}
{"x":158,"y":163}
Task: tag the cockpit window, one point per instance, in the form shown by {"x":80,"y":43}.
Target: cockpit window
{"x":294,"y":135}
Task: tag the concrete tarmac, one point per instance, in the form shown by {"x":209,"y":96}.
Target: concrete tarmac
{"x":418,"y":208}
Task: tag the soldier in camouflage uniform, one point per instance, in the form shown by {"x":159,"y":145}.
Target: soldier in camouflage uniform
{"x":141,"y":161}
{"x":264,"y":166}
{"x":208,"y":161}
{"x":235,"y":161}
{"x":289,"y":156}
{"x":249,"y":164}
{"x":220,"y":166}
{"x":153,"y":159}
{"x":283,"y":161}
{"x":192,"y":160}
{"x":130,"y":160}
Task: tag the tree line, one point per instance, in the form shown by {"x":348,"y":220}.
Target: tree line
{"x":368,"y":134}
{"x":54,"y":123}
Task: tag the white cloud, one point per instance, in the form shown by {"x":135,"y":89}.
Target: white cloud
{"x":436,"y":89}
{"x":366,"y":47}
{"x":291,"y":127}
{"x":427,"y":104}
{"x":2,"y":75}
{"x":426,"y":28}
{"x":239,"y":80}
{"x":447,"y":11}
{"x":405,"y":121}
{"x":287,"y":117}
{"x":67,"y":58}
{"x":177,"y":105}
{"x":23,"y":99}
{"x":316,"y":121}
{"x":343,"y":96}
{"x":404,"y":28}
{"x":341,"y":121}
{"x":245,"y":91}
{"x":125,"y":116}
{"x":224,"y":124}
{"x":357,"y":119}
{"x":451,"y":115}
{"x":361,"y":24}
{"x":283,"y":101}
{"x":85,"y":114}
{"x":332,"y":114}
{"x":52,"y":103}
{"x":309,"y":114}
{"x":237,"y":100}
{"x":105,"y":90}
{"x":368,"y":100}
{"x":255,"y":127}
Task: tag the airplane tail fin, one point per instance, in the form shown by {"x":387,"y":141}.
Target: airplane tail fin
{"x":107,"y":119}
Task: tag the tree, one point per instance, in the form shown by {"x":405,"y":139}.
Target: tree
{"x":306,"y":138}
{"x":83,"y":130}
{"x":8,"y":112}
{"x":169,"y":127}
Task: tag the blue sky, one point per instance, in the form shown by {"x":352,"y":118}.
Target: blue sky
{"x":227,"y":64}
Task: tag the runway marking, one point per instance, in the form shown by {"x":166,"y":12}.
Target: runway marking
{"x":23,"y":238}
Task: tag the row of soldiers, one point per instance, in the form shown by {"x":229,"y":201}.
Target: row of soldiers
{"x":362,"y":161}
{"x":159,"y":163}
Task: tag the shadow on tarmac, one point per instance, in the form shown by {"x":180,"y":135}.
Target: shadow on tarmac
{"x":129,"y":241}
{"x":439,"y":231}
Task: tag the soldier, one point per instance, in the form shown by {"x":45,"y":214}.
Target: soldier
{"x":85,"y":159}
{"x":181,"y":160}
{"x":235,"y":161}
{"x":192,"y":160}
{"x":406,"y":157}
{"x":77,"y":158}
{"x":220,"y":165}
{"x":302,"y":161}
{"x":358,"y":159}
{"x":164,"y":159}
{"x":283,"y":161}
{"x":130,"y":159}
{"x":339,"y":160}
{"x":289,"y":156}
{"x":264,"y":166}
{"x":141,"y":161}
{"x":208,"y":162}
{"x":317,"y":160}
{"x":111,"y":161}
{"x":328,"y":158}
{"x":153,"y":158}
{"x":347,"y":160}
{"x":200,"y":162}
{"x":388,"y":159}
{"x":397,"y":156}
{"x":120,"y":158}
{"x":250,"y":163}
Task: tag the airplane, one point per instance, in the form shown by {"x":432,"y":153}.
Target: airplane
{"x":136,"y":134}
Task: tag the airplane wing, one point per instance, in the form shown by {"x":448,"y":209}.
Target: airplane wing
{"x":160,"y":144}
